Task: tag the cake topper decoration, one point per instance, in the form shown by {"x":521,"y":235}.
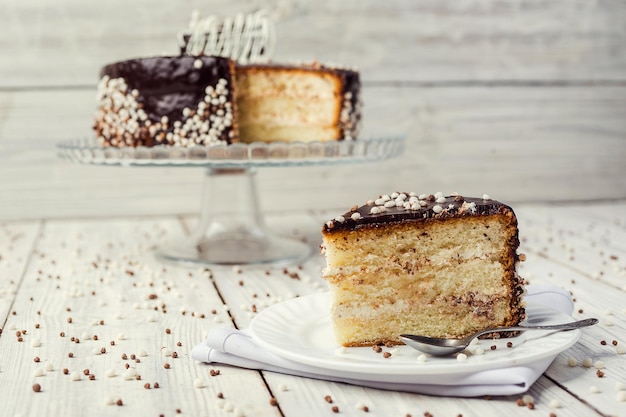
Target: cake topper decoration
{"x":248,"y":38}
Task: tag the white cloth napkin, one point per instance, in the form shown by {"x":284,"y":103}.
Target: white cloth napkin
{"x":236,"y":348}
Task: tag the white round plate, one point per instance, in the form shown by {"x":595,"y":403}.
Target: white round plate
{"x":300,"y":330}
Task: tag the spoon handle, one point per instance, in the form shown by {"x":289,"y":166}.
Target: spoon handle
{"x":564,"y":326}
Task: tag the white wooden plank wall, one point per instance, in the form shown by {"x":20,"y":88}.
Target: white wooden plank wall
{"x":523,"y":99}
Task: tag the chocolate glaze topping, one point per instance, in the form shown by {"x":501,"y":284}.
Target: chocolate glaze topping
{"x":405,"y":207}
{"x":167,"y":85}
{"x":180,"y":101}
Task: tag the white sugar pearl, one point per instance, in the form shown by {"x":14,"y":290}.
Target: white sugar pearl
{"x":587,"y":362}
{"x":555,"y":403}
{"x":49,"y":367}
{"x":282,"y":387}
{"x":111,"y":373}
{"x":599,"y":365}
{"x":461,"y":357}
{"x":109,"y":401}
{"x":594,"y":390}
{"x":35,"y":342}
{"x":437,"y":209}
{"x":75,"y":376}
{"x":38,"y":372}
{"x":486,"y":197}
{"x":422,"y":358}
{"x":198,"y":383}
{"x":572,"y":362}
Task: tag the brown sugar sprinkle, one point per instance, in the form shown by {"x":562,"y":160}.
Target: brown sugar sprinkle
{"x":36,"y":387}
{"x":600,"y":374}
{"x":603,"y":342}
{"x":94,"y":337}
{"x":493,"y":347}
{"x":126,"y":366}
{"x":37,"y":325}
{"x":146,"y":385}
{"x":273,"y":402}
{"x":168,"y":331}
{"x":20,"y":339}
{"x":530,"y":406}
{"x":62,"y":334}
{"x":377,"y":349}
{"x":509,"y":344}
{"x":69,"y":319}
{"x":156,"y":385}
{"x":92,"y":377}
{"x":18,"y":333}
{"x":101,"y":322}
{"x":614,"y":343}
{"x":103,"y":350}
{"x":133,"y":356}
{"x":427,"y":414}
{"x":174,"y":355}
{"x":70,"y":355}
{"x":520,"y":402}
{"x":387,"y":355}
{"x":166,"y":365}
{"x":112,"y":342}
{"x":335,"y":409}
{"x":220,"y":395}
{"x":36,"y":359}
{"x":214,"y":372}
{"x":66,"y":371}
{"x":119,"y":402}
{"x":552,"y":414}
{"x":124,"y":357}
{"x":86,"y":371}
{"x":328,"y":399}
{"x":179,"y":344}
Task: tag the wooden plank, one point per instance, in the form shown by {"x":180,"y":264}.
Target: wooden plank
{"x":16,"y":242}
{"x":90,"y":279}
{"x":516,"y":144}
{"x":66,"y":43}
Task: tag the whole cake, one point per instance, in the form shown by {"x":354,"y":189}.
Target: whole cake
{"x":302,"y":103}
{"x":206,"y":100}
{"x":176,"y":101}
{"x":442,"y":266}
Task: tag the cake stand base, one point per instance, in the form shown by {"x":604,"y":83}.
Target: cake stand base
{"x":231,"y":230}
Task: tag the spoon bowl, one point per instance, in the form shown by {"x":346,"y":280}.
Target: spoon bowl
{"x":441,"y":346}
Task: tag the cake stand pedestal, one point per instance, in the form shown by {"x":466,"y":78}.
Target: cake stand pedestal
{"x":231,"y":229}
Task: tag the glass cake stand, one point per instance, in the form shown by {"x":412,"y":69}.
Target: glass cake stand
{"x":231,"y":229}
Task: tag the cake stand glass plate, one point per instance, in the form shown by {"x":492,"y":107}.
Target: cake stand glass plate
{"x":300,"y":330}
{"x":231,"y":229}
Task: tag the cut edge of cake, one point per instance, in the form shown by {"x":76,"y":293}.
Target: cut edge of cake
{"x":422,"y":264}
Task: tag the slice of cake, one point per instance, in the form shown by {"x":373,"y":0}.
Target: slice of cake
{"x":428,"y":265}
{"x":175,"y":101}
{"x":297,"y":103}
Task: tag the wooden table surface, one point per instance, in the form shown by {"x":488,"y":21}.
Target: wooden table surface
{"x":88,"y":294}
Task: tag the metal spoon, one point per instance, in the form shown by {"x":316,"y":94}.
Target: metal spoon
{"x":438,"y":346}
